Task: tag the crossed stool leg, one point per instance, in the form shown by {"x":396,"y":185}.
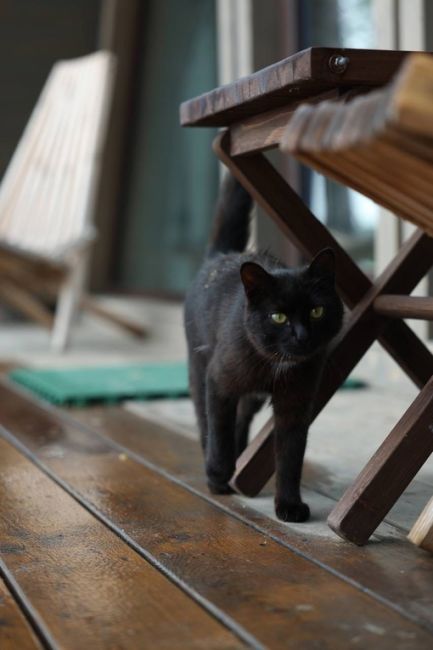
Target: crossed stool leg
{"x":408,"y":446}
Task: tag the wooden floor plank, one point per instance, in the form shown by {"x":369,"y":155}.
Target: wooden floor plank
{"x":388,"y":567}
{"x":15,"y":631}
{"x":274,"y":593}
{"x":90,"y":588}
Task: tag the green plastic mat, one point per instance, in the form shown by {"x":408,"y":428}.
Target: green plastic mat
{"x":352,"y":383}
{"x":79,"y":386}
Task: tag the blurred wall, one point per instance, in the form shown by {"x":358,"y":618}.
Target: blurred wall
{"x":170,"y":175}
{"x":33,"y":35}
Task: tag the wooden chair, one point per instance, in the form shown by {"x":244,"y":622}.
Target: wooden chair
{"x":47,"y":196}
{"x":269,"y":108}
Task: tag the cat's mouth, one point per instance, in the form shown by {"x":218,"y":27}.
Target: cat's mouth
{"x":295,"y":357}
{"x":285,"y":358}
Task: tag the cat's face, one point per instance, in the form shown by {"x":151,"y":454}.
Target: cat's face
{"x":291,"y":314}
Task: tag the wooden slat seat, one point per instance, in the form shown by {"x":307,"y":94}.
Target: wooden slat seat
{"x":380,"y":144}
{"x":53,"y":167}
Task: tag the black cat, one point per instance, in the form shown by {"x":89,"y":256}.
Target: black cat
{"x":256,"y":328}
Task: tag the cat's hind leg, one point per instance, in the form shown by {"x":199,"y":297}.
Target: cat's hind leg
{"x":221,"y":443}
{"x":248,"y":406}
{"x":197,"y":385}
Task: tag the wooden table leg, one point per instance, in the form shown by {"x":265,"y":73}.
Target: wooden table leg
{"x":388,"y":473}
{"x":255,"y":466}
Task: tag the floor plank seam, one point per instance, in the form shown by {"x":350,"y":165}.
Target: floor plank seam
{"x":30,"y":614}
{"x":254,"y":526}
{"x":209,"y":607}
{"x":65,"y":416}
{"x":180,"y":430}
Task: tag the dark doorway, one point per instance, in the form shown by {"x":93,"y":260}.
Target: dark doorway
{"x":172,"y":176}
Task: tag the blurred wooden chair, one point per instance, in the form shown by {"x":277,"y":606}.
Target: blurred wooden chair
{"x":47,"y":196}
{"x":381,"y":144}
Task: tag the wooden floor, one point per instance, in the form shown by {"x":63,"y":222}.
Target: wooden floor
{"x":109,"y":539}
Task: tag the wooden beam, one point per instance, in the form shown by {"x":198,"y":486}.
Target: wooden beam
{"x":90,"y":304}
{"x":24,"y":302}
{"x":300,"y":76}
{"x":404,"y":306}
{"x":265,"y":131}
{"x":388,"y":473}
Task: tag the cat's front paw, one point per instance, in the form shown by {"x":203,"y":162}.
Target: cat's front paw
{"x":218,"y":477}
{"x":219,"y":488}
{"x":289,"y":511}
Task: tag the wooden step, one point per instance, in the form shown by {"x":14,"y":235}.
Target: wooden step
{"x":253,"y":579}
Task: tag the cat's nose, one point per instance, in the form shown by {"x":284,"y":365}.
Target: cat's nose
{"x":300,"y":332}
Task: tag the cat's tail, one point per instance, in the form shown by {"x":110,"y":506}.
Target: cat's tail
{"x":231,"y":225}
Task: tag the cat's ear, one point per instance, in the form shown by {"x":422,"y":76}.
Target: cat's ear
{"x":257,"y":282}
{"x":323,"y":264}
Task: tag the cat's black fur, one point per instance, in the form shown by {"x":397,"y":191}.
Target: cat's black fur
{"x":238,"y":356}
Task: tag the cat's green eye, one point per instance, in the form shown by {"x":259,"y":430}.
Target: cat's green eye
{"x":317,"y":312}
{"x":279,"y":318}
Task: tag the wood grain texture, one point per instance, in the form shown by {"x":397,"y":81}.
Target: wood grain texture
{"x":397,"y":306}
{"x":365,"y":143}
{"x":403,"y":104}
{"x":300,"y":76}
{"x":88,"y":587}
{"x":388,"y":568}
{"x":353,"y":173}
{"x":15,"y":632}
{"x":266,"y":130}
{"x":275,"y":594}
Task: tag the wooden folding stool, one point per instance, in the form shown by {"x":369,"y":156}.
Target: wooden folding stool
{"x":258,"y":111}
